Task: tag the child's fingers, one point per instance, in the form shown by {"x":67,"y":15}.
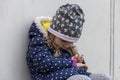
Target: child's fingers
{"x":73,"y":58}
{"x":81,"y":55}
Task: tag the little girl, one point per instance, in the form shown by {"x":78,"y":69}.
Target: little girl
{"x":51,"y":53}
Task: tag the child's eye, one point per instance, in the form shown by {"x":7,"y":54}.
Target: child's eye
{"x":64,"y":41}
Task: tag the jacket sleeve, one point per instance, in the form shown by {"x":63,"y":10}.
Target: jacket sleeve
{"x":41,"y":58}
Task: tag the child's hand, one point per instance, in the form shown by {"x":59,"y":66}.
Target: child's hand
{"x":78,"y":57}
{"x":82,"y":65}
{"x":74,"y":58}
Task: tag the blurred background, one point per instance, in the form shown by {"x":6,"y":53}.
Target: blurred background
{"x":99,"y":43}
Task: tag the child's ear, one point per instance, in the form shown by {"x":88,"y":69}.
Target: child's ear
{"x":46,"y":24}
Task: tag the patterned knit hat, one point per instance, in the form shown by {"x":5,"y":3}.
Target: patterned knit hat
{"x":67,"y":23}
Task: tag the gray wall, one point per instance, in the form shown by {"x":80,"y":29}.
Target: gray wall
{"x":16,"y":17}
{"x":117,"y":40}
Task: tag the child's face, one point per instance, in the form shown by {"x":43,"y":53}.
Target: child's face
{"x":62,"y":43}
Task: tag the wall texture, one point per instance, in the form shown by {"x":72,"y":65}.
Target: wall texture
{"x":117,"y":40}
{"x":16,"y":17}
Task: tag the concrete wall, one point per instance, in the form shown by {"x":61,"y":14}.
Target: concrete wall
{"x":117,"y":40}
{"x":16,"y":17}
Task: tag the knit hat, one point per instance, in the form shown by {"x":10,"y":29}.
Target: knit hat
{"x":67,"y":22}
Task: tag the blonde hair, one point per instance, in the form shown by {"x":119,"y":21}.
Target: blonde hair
{"x":50,"y":41}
